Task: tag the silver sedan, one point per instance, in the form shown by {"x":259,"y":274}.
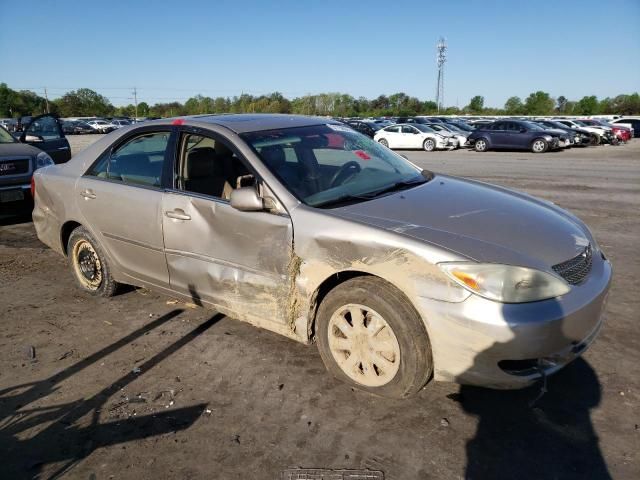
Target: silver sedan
{"x":302,"y":226}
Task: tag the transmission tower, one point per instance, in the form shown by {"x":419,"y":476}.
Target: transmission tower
{"x":441,"y":58}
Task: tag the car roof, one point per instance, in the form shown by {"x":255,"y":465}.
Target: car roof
{"x":254,"y":122}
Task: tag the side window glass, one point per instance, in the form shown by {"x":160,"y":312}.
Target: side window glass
{"x":139,"y":161}
{"x":406,"y":129}
{"x":209,"y":167}
{"x":393,"y":129}
{"x":45,"y":127}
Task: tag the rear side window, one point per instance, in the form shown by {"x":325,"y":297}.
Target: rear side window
{"x":392,"y":129}
{"x":139,"y":161}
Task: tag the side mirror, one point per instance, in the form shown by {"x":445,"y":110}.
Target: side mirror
{"x":246,"y":199}
{"x":523,"y":130}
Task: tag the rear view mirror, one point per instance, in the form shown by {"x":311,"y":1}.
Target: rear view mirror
{"x":246,"y":199}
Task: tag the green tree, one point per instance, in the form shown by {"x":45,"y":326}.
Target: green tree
{"x":561,"y":104}
{"x":587,"y":106}
{"x":514,"y":106}
{"x":84,"y":102}
{"x":539,"y":103}
{"x":476,"y":105}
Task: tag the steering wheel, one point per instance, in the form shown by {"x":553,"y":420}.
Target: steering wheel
{"x":347,"y":171}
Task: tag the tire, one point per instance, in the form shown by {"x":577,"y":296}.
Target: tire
{"x":539,"y":145}
{"x":595,"y":140}
{"x":382,"y":141}
{"x":481,"y":145}
{"x":404,"y":363}
{"x":89,"y":264}
{"x":429,"y":145}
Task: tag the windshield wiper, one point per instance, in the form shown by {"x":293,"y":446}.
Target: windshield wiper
{"x":343,"y":199}
{"x":402,"y":185}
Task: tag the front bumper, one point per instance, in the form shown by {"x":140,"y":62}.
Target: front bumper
{"x":491,"y":344}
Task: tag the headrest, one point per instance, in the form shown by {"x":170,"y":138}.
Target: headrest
{"x":200,"y":162}
{"x":222,"y":150}
{"x":273,"y":156}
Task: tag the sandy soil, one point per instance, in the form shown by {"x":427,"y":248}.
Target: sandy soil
{"x":143,"y":387}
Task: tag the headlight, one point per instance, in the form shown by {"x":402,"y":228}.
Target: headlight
{"x":43,"y":160}
{"x":505,"y":283}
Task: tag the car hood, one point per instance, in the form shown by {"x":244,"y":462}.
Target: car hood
{"x":13,"y":149}
{"x":479,"y":221}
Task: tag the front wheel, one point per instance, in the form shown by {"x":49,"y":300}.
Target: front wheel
{"x":371,"y":337}
{"x":539,"y":145}
{"x":429,"y":145}
{"x":481,"y":145}
{"x":89,"y":264}
{"x":382,"y":141}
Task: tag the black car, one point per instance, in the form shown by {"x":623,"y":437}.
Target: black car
{"x":365,"y":127}
{"x":70,"y":127}
{"x":19,"y":159}
{"x":580,"y":137}
{"x":514,"y":134}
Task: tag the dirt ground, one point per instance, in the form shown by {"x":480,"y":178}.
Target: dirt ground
{"x":143,"y":387}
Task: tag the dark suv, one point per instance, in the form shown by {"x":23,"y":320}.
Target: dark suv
{"x":42,"y":143}
{"x":368,"y":128}
{"x":514,"y":134}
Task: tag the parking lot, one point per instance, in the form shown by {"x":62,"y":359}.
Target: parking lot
{"x":143,"y":386}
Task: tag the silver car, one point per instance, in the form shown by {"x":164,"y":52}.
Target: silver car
{"x":302,"y":226}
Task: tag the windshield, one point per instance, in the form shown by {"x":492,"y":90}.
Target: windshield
{"x":423,"y":128}
{"x":325,"y":165}
{"x":438,"y":128}
{"x":5,"y":137}
{"x":462,"y":126}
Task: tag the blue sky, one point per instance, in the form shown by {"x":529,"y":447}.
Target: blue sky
{"x":171,"y":50}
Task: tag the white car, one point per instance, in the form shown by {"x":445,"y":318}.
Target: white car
{"x":598,"y":131}
{"x":444,"y":129}
{"x":416,"y":136}
{"x":101,"y":126}
{"x":120,"y":123}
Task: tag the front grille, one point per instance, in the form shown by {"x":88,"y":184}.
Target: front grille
{"x":576,"y":269}
{"x":14,"y":167}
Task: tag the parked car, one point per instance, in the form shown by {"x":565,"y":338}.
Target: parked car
{"x":101,"y":126}
{"x":602,"y":135}
{"x":459,"y":134}
{"x":581,"y":137}
{"x":415,"y":136}
{"x":630,"y":122}
{"x":43,"y":144}
{"x":513,"y":134}
{"x":74,"y":127}
{"x":621,"y":132}
{"x":368,"y":128}
{"x":400,"y":275}
{"x":119,"y":123}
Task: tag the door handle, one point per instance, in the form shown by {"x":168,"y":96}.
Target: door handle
{"x":88,"y":194}
{"x":178,"y":214}
{"x":63,"y":148}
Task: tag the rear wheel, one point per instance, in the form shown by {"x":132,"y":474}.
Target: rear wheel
{"x":481,"y":145}
{"x":539,"y":145}
{"x":429,"y":145}
{"x":371,"y":337}
{"x":382,"y":141}
{"x":595,"y":139}
{"x":89,"y":264}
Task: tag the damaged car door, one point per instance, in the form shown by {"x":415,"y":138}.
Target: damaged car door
{"x":237,"y":261}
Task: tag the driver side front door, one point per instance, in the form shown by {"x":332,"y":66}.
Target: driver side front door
{"x":45,"y":132}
